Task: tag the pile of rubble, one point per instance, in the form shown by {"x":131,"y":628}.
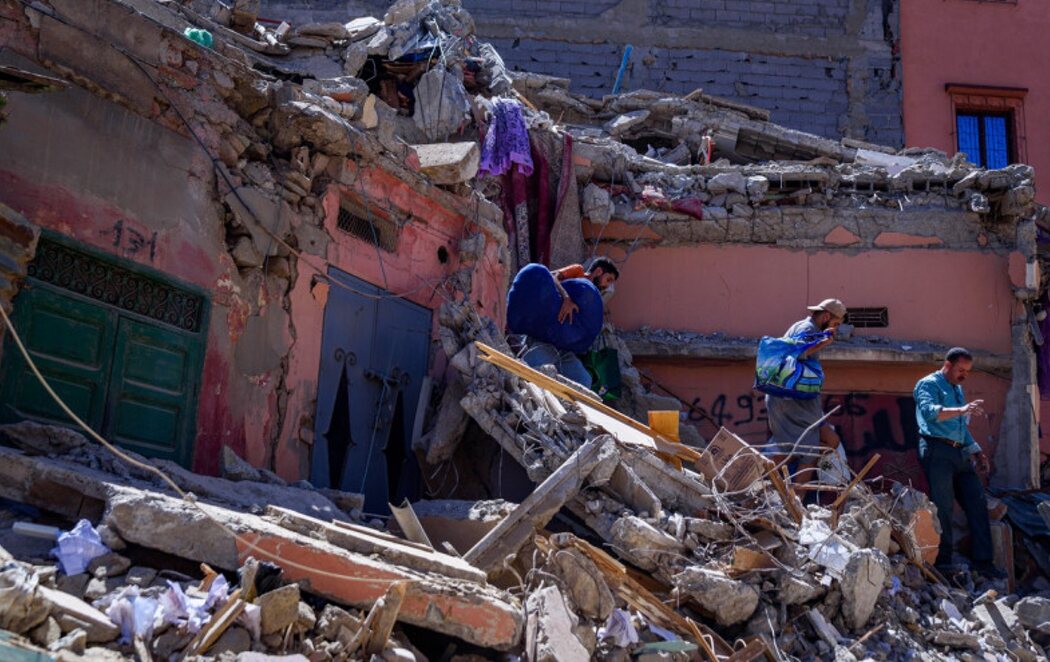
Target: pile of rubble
{"x":718,"y":563}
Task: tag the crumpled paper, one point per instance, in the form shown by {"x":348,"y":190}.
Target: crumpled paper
{"x":192,"y":612}
{"x":619,"y":628}
{"x":77,"y":548}
{"x":135,"y":614}
{"x":825,"y":547}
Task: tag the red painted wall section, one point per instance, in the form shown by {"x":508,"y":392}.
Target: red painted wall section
{"x":877,"y":414}
{"x":954,"y":298}
{"x":997,"y":44}
{"x":177,"y":253}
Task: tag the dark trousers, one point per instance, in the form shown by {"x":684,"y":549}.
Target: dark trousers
{"x":951,"y":476}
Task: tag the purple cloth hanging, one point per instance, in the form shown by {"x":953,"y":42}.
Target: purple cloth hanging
{"x":507,"y":141}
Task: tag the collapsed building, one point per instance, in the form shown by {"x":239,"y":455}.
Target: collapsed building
{"x":281,"y":242}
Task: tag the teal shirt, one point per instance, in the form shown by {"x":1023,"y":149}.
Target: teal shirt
{"x":932,"y":394}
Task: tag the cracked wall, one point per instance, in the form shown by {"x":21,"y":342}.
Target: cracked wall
{"x":829,"y":67}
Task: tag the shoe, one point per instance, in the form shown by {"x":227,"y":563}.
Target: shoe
{"x":989,"y":571}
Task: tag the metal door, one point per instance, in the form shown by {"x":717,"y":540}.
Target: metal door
{"x":374,"y":352}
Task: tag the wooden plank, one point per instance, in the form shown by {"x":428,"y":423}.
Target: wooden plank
{"x":659,"y":442}
{"x":794,"y":508}
{"x":375,"y":631}
{"x":219,"y":623}
{"x":398,"y":550}
{"x":537,"y":509}
{"x":836,"y":507}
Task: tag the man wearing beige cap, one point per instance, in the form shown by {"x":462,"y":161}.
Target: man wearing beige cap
{"x":789,"y":417}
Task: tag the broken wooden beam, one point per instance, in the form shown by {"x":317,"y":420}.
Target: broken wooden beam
{"x":538,"y":508}
{"x":371,"y":638}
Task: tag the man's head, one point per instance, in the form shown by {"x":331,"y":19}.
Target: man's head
{"x":828,"y":314}
{"x":958,"y":363}
{"x":603,"y":273}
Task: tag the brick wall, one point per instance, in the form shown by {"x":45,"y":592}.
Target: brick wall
{"x":824,"y":66}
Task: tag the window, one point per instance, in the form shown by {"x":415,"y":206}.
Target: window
{"x":984,"y":138}
{"x":868,"y":318}
{"x":373,"y":229}
{"x":989,"y":124}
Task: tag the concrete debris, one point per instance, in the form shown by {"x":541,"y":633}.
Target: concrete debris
{"x":861,"y":584}
{"x":549,"y":630}
{"x":442,"y":104}
{"x":449,"y":163}
{"x":728,"y":600}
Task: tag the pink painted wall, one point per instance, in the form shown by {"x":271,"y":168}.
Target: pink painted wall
{"x":996,"y":44}
{"x":948,"y":297}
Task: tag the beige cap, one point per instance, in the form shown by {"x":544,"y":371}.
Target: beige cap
{"x":833,"y":306}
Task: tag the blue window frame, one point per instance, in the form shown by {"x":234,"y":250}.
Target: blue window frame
{"x":985,"y":138}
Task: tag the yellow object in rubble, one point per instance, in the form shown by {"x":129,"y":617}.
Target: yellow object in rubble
{"x":666,"y":423}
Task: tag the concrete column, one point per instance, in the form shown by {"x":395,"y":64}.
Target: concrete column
{"x":1017,"y":458}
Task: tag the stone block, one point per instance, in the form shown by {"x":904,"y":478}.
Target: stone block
{"x":278,"y":608}
{"x":449,"y":163}
{"x":729,"y":600}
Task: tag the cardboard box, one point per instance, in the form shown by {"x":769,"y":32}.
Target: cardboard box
{"x":733,"y":461}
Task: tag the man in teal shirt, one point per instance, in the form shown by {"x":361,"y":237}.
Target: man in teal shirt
{"x":951,"y":458}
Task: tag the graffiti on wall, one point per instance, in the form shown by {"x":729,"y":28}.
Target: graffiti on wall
{"x":130,"y":241}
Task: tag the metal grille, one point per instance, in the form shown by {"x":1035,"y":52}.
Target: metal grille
{"x":380,"y":231}
{"x":868,"y":318}
{"x":117,"y":286}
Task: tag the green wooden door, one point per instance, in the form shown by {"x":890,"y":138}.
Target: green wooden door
{"x":71,"y":341}
{"x":153,"y":390}
{"x":122,"y":347}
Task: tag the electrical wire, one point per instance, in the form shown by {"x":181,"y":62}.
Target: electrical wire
{"x":242,"y":542}
{"x":321,"y":271}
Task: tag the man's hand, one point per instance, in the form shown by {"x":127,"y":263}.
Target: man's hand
{"x":568,"y":308}
{"x":981,"y":463}
{"x":975,"y":407}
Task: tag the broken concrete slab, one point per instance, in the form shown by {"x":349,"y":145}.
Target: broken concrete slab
{"x":623,"y":123}
{"x":597,"y":204}
{"x":72,"y":613}
{"x":549,"y":633}
{"x":795,"y":590}
{"x":442,"y":105}
{"x":585,"y":584}
{"x":862,"y":582}
{"x":23,"y":603}
{"x":729,"y":600}
{"x":38,"y":439}
{"x":278,"y":608}
{"x":642,"y":542}
{"x":469,"y":610}
{"x":449,"y":163}
{"x":1033,"y":611}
